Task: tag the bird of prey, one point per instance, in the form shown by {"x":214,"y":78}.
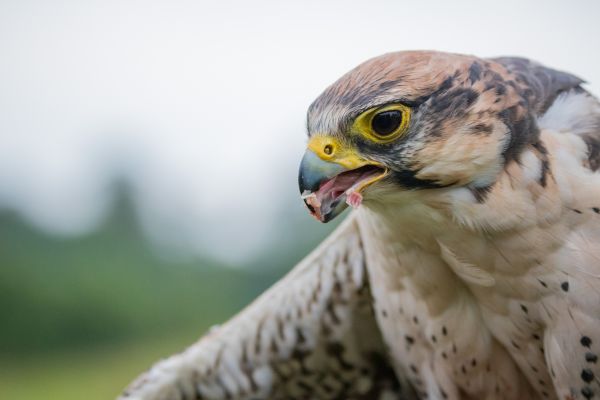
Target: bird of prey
{"x":470,"y":267}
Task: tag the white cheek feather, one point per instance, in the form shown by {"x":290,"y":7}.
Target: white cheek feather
{"x":489,"y":174}
{"x":531,"y":166}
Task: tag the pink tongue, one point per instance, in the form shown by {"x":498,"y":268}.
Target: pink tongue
{"x":344,"y":183}
{"x":334,"y":188}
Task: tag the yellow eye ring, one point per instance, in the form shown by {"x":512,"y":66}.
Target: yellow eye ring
{"x":383,"y":124}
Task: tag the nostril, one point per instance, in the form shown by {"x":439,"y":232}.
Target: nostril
{"x":328,"y":149}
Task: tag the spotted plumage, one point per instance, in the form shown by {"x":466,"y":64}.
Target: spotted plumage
{"x":471,"y":267}
{"x":313,"y":335}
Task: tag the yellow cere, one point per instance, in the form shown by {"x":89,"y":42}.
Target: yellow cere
{"x":362,"y":124}
{"x":331,"y":149}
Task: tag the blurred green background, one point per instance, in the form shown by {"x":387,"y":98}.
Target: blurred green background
{"x":82,"y":316}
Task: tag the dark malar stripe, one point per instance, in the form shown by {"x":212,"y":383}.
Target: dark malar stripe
{"x":545,"y":163}
{"x":481,"y":193}
{"x":407,"y":179}
{"x":593,"y":145}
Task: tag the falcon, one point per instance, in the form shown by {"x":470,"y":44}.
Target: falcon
{"x":470,"y":267}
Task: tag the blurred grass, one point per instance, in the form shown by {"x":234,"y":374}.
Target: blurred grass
{"x":105,"y":287}
{"x":97,"y":374}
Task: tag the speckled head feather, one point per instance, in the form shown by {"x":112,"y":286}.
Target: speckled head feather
{"x":470,"y":116}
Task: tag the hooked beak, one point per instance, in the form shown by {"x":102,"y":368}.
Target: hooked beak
{"x":331,"y":178}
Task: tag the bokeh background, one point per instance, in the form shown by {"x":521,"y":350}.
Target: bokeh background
{"x":148,"y":154}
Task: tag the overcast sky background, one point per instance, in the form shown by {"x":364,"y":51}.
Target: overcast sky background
{"x":201,"y":105}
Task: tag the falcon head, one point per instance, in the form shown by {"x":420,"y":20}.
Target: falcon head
{"x":421,"y":120}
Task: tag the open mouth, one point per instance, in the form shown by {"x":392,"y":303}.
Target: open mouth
{"x":344,"y":188}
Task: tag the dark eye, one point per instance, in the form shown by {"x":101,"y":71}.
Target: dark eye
{"x":385,"y":123}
